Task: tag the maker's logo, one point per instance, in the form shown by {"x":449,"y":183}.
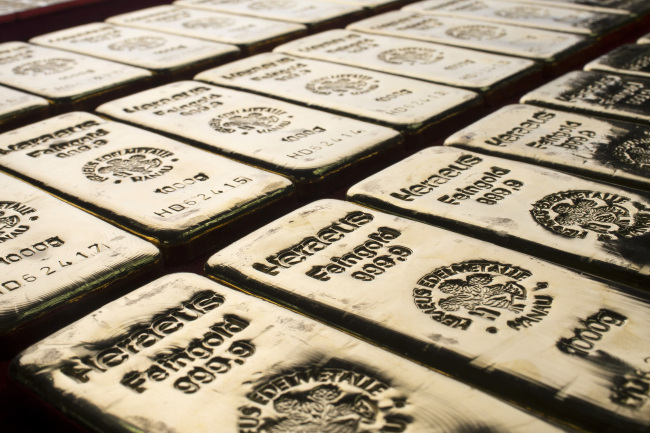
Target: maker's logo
{"x":634,"y":153}
{"x":13,"y":219}
{"x":476,"y":32}
{"x":523,"y":12}
{"x":411,"y":56}
{"x":138,"y":164}
{"x":254,"y":119}
{"x":45,"y":67}
{"x":342,"y":84}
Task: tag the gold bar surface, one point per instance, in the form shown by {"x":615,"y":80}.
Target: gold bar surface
{"x":631,"y":59}
{"x":315,"y":14}
{"x":408,"y":105}
{"x":62,"y":76}
{"x":605,"y":150}
{"x":559,"y":19}
{"x":159,"y":188}
{"x":596,"y":93}
{"x":309,"y":146}
{"x":458,"y":304}
{"x":251,"y":35}
{"x":188,"y":355}
{"x":52,"y":253}
{"x":551,"y":48}
{"x":159,"y":52}
{"x":16,"y":106}
{"x":490,"y":74}
{"x":575,"y":222}
{"x":609,"y":6}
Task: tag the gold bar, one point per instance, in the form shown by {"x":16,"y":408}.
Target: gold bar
{"x":313,"y":148}
{"x":316,"y":15}
{"x":410,"y":106}
{"x":556,"y":51}
{"x":492,"y":75}
{"x":559,"y":19}
{"x":156,"y":187}
{"x":18,"y":108}
{"x":511,"y":323}
{"x":68,"y":79}
{"x":251,"y":35}
{"x":161,"y":53}
{"x":596,"y":93}
{"x":52,"y":254}
{"x":605,"y":150}
{"x":578,"y":223}
{"x":187,"y":355}
{"x":631,"y":59}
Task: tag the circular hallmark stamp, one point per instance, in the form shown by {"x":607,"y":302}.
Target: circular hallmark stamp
{"x":634,"y":153}
{"x":493,"y":293}
{"x":575,"y":214}
{"x":45,"y":67}
{"x":137,"y":163}
{"x":523,"y":12}
{"x":257,"y":119}
{"x":141,"y":43}
{"x":342,"y":84}
{"x":411,"y":56}
{"x":324,"y":399}
{"x":209,"y":23}
{"x":14,"y":217}
{"x":476,"y":32}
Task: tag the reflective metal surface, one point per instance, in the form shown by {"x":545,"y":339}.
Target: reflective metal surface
{"x":184,"y":354}
{"x":15,"y":104}
{"x":627,"y":59}
{"x":519,"y":326}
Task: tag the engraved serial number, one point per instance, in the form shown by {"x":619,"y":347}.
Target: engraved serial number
{"x":323,"y":144}
{"x":53,"y":267}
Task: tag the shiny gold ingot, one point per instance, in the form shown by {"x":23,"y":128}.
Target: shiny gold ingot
{"x":596,"y":93}
{"x":551,"y":48}
{"x":315,"y":14}
{"x":164,"y":190}
{"x":159,"y":52}
{"x":492,"y":75}
{"x":602,"y":149}
{"x":559,"y":19}
{"x":251,"y":35}
{"x":410,"y":106}
{"x":188,"y":355}
{"x":574,"y":222}
{"x":458,"y":304}
{"x":19,"y":107}
{"x":631,"y":59}
{"x":52,"y":253}
{"x":310,"y":146}
{"x":62,"y":76}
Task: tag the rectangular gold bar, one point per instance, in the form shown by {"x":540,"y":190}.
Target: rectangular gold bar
{"x":586,"y":225}
{"x":596,"y":93}
{"x":486,"y":314}
{"x":251,"y":35}
{"x":556,"y":51}
{"x":605,"y":150}
{"x":70,"y":80}
{"x":161,"y":53}
{"x":631,"y":59}
{"x":166,"y":191}
{"x":313,"y":148}
{"x":412,"y":107}
{"x":51,"y":254}
{"x":18,"y":108}
{"x":188,"y":355}
{"x":315,"y":14}
{"x":559,"y":19}
{"x":494,"y":76}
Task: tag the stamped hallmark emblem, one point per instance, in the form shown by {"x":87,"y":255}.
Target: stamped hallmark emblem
{"x":342,"y":84}
{"x":458,"y":294}
{"x":476,"y":32}
{"x":327,"y":399}
{"x":209,"y":23}
{"x":45,"y":67}
{"x":258,"y":119}
{"x":575,"y":214}
{"x":634,"y":153}
{"x":141,"y":43}
{"x":137,"y":163}
{"x":13,"y":219}
{"x":411,"y":56}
